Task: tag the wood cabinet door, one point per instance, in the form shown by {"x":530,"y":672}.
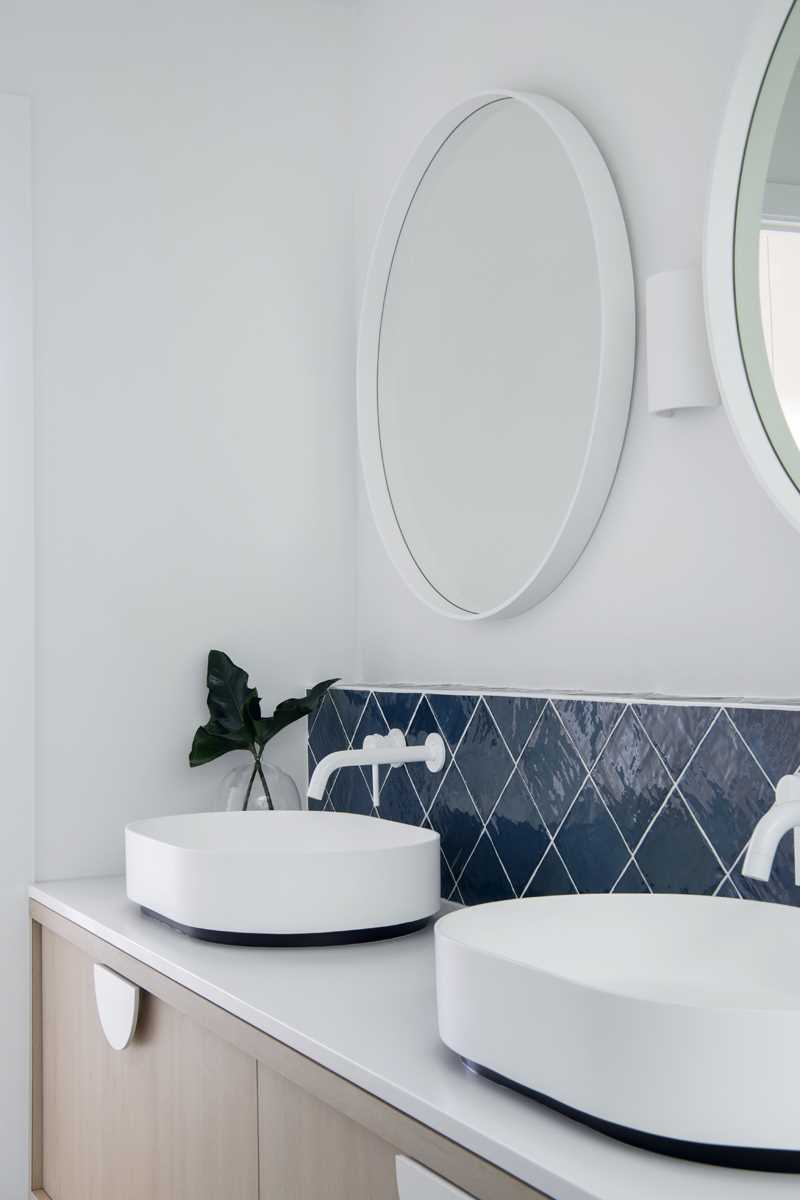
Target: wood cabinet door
{"x":309,"y":1151}
{"x":171,"y":1117}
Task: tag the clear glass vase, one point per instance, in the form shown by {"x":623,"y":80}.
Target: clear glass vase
{"x":282,"y":789}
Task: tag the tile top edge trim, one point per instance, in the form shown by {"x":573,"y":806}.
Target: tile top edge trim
{"x":444,"y":689}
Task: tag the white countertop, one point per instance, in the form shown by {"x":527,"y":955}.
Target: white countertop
{"x":369,"y":1014}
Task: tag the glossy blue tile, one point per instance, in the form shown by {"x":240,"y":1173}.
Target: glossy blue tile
{"x":398,"y":707}
{"x":452,"y":713}
{"x":371,"y":720}
{"x":590,"y":845}
{"x":551,"y":878}
{"x":675,"y":730}
{"x":675,"y":856}
{"x":426,"y":782}
{"x":483,"y":878}
{"x":399,"y":800}
{"x":349,"y":704}
{"x":484,"y":760}
{"x":327,"y":733}
{"x":632,"y":882}
{"x":350,"y":793}
{"x":725,"y":790}
{"x":551,"y":768}
{"x":631,"y":778}
{"x":515,"y":717}
{"x":455,"y":818}
{"x":518,"y":832}
{"x":780,"y":888}
{"x":313,"y":805}
{"x":589,"y":722}
{"x":774,"y":737}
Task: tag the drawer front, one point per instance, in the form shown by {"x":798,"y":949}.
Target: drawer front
{"x":172,"y":1116}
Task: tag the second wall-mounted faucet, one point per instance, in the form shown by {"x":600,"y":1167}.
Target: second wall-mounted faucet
{"x":776,"y":821}
{"x":378,"y":750}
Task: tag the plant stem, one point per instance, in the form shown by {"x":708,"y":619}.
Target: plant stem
{"x":250,"y":787}
{"x":267,"y":796}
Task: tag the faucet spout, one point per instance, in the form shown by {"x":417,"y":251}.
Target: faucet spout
{"x":776,"y":821}
{"x":377,"y":751}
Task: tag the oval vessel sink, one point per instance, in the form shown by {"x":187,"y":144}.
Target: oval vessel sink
{"x":283,"y":878}
{"x":672,"y":1022}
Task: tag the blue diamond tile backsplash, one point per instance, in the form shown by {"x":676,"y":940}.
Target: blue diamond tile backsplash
{"x":545,"y":796}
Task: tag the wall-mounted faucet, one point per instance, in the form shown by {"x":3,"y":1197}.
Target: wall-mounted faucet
{"x":776,"y":821}
{"x":378,"y":751}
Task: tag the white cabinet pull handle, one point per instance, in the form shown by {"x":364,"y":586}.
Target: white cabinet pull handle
{"x":117,"y":1006}
{"x":417,"y":1183}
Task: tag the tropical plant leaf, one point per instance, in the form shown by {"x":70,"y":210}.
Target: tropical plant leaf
{"x":236,"y":722}
{"x":232,"y":703}
{"x":209,"y":744}
{"x":289,"y":711}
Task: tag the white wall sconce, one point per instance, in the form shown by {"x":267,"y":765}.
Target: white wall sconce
{"x":679,"y":370}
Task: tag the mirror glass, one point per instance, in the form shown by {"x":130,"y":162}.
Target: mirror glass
{"x":488,"y":356}
{"x":494,"y":377}
{"x":767,"y":250}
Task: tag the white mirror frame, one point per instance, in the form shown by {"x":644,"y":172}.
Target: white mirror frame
{"x":718,"y":264}
{"x":615,"y":373}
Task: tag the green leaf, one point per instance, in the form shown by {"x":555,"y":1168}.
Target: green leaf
{"x":289,"y":711}
{"x":209,"y":744}
{"x":233,"y":704}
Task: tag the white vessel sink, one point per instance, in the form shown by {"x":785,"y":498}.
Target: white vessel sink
{"x":672,"y":1022}
{"x":278,"y":878}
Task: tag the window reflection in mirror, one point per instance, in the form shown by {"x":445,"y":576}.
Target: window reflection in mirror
{"x":767,"y":250}
{"x":779,"y":259}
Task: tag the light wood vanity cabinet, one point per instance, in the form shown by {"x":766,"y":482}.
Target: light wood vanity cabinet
{"x":201,"y":1105}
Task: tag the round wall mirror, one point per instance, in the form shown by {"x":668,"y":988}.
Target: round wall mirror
{"x":752,"y":256}
{"x":496,"y":355}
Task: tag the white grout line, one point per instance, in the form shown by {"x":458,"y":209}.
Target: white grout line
{"x":728,"y":876}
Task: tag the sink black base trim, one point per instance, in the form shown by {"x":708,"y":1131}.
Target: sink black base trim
{"x":347,"y":937}
{"x":743,"y":1157}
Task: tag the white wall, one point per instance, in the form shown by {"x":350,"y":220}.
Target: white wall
{"x":193,"y":267}
{"x":690,"y":584}
{"x":16,"y":610}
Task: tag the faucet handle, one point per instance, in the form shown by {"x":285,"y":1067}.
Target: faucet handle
{"x":394,"y":738}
